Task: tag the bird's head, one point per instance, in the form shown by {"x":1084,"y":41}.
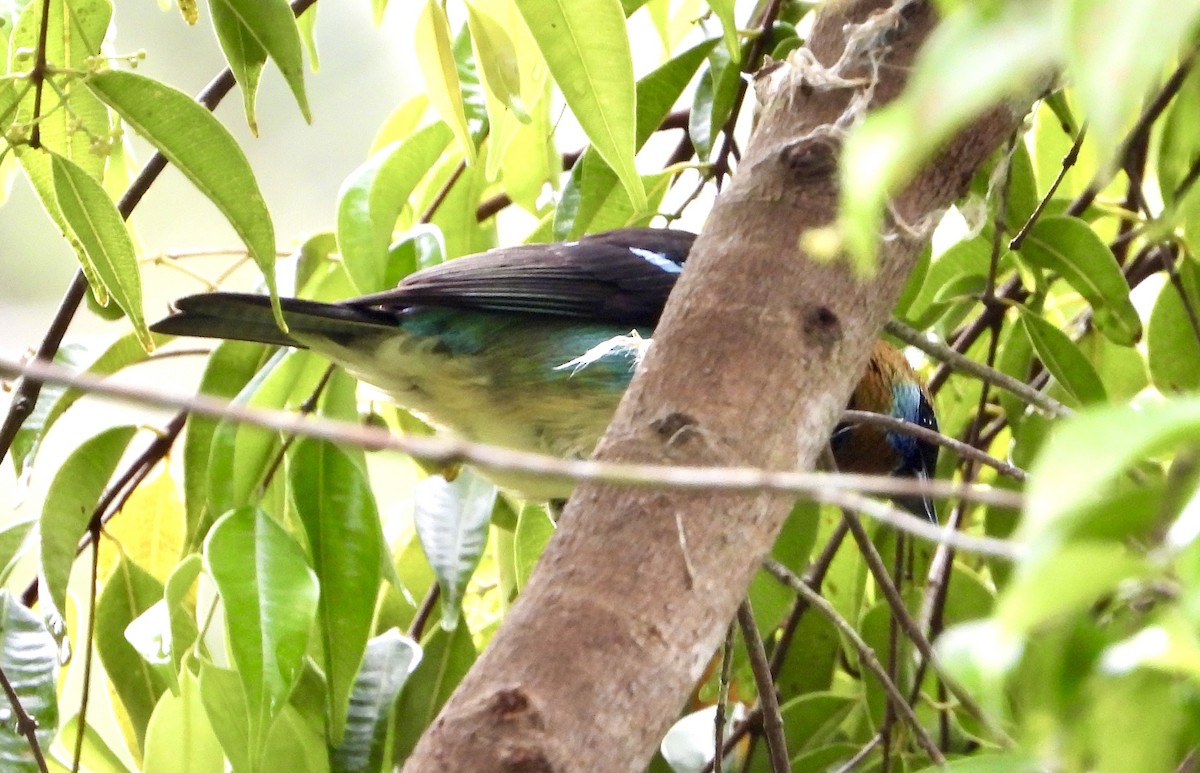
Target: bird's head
{"x":890,"y":387}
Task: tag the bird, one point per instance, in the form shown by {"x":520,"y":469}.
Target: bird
{"x":531,"y":347}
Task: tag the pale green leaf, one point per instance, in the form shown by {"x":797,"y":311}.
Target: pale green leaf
{"x":270,"y":597}
{"x":1068,"y":247}
{"x":98,"y":226}
{"x":972,"y":60}
{"x":199,"y":146}
{"x":452,"y":518}
{"x":587,"y":49}
{"x":374,"y":195}
{"x":435,"y":54}
{"x":273,"y":26}
{"x":1085,"y":454}
{"x":245,"y":54}
{"x":73,"y":495}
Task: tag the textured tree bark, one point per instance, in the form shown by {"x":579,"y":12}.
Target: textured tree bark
{"x":752,"y":363}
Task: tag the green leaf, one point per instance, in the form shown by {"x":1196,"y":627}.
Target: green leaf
{"x":73,"y":496}
{"x":451,"y":518}
{"x":33,"y":431}
{"x":1114,"y":53}
{"x":533,"y":532}
{"x":245,"y":54}
{"x":199,"y":146}
{"x":497,"y":58}
{"x":270,"y":596}
{"x":225,"y":706}
{"x":375,"y":194}
{"x":1063,"y":359}
{"x":128,"y":593}
{"x":13,"y":539}
{"x":97,"y":225}
{"x":29,"y":658}
{"x":230,"y":367}
{"x":71,"y":118}
{"x":1070,"y":248}
{"x":1173,"y":340}
{"x":241,"y":454}
{"x":337,"y":508}
{"x":448,"y":655}
{"x":713,"y":102}
{"x":273,"y":26}
{"x":1086,"y":453}
{"x":811,"y":720}
{"x":390,"y":658}
{"x":592,"y":180}
{"x":587,"y":49}
{"x":179,"y":736}
{"x":307,"y":24}
{"x":435,"y":55}
{"x":1079,"y":572}
{"x":724,"y":11}
{"x":975,"y":58}
{"x":180,"y":609}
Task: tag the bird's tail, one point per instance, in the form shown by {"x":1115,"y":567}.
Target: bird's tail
{"x":244,"y":317}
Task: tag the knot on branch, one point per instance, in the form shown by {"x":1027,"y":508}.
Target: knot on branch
{"x":812,"y":159}
{"x":822,"y":326}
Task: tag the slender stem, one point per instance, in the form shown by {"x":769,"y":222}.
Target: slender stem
{"x":25,"y":724}
{"x":38,"y":75}
{"x":843,"y":489}
{"x":722,"y":699}
{"x":866,"y":655}
{"x":992,"y":376}
{"x":417,"y":627}
{"x":81,"y":722}
{"x":767,"y":699}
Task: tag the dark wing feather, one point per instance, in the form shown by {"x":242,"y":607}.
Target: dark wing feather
{"x":621,"y":276}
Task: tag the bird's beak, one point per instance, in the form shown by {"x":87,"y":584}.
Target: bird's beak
{"x":920,"y":506}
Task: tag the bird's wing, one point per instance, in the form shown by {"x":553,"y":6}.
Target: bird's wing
{"x":621,"y":276}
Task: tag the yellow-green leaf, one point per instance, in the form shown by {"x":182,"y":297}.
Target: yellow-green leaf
{"x":273,"y":25}
{"x":98,"y":227}
{"x":587,"y":49}
{"x":199,"y":146}
{"x":435,"y":54}
{"x":497,"y":58}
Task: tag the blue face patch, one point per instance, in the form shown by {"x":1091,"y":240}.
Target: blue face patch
{"x":909,"y":404}
{"x":658,"y":260}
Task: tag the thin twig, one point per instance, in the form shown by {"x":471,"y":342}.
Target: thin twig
{"x":118,"y":493}
{"x":866,"y":655}
{"x":417,"y":627}
{"x":940,"y":351}
{"x":909,"y":625}
{"x":767,"y":699}
{"x":25,"y":724}
{"x":89,"y":641}
{"x":1068,"y":161}
{"x":963,"y":450}
{"x":841,"y":489}
{"x":722,"y":699}
{"x":38,"y":75}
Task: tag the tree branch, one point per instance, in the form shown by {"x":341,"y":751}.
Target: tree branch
{"x":756,"y":354}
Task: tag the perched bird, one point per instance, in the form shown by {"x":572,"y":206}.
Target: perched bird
{"x":531,"y":347}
